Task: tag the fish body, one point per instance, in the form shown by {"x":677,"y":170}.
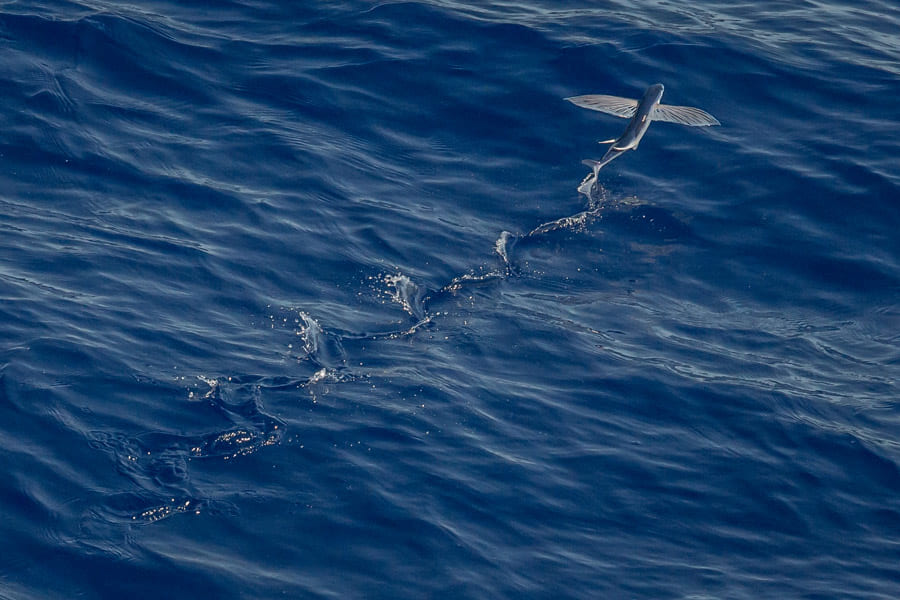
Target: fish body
{"x":640,"y":122}
{"x":641,"y":112}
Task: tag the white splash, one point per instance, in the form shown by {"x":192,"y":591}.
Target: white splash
{"x":310,"y":332}
{"x":404,"y":292}
{"x":500,"y":246}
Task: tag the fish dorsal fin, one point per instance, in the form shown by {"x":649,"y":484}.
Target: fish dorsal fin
{"x":685,"y":115}
{"x":612,"y":105}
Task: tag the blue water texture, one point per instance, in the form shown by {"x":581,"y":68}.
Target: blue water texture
{"x":302,"y":300}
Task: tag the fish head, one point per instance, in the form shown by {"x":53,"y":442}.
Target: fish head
{"x":653,"y":94}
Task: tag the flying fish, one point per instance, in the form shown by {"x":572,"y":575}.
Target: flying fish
{"x":641,"y":112}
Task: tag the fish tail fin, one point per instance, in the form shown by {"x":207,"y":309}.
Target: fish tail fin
{"x":611,"y":154}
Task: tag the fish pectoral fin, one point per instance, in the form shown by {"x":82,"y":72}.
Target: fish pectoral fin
{"x":624,"y":148}
{"x":612,"y":141}
{"x":684,"y":115}
{"x":611,"y":105}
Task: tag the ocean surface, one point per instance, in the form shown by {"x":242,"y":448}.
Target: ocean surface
{"x":302,"y":300}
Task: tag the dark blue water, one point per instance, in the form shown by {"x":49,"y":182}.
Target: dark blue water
{"x":301,"y":300}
